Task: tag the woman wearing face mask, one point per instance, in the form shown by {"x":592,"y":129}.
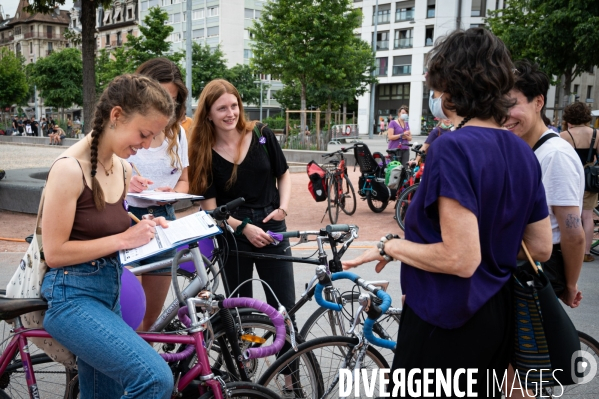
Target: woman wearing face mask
{"x":399,"y":135}
{"x":443,"y":126}
{"x":481,"y":196}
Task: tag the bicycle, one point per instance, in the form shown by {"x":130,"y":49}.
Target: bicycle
{"x":336,"y":352}
{"x":595,"y":243}
{"x":210,"y":385}
{"x":338,"y":196}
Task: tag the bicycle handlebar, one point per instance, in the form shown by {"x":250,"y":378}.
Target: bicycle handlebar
{"x":337,"y":228}
{"x":374,"y":312}
{"x":222,"y":212}
{"x":332,"y":228}
{"x":341,"y":151}
{"x":272,"y":313}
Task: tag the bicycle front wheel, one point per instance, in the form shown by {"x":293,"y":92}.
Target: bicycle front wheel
{"x":348,"y":201}
{"x":333,"y":199}
{"x":332,"y":354}
{"x":402,"y":205}
{"x":375,"y":205}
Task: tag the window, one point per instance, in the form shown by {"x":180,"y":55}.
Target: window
{"x":145,"y":5}
{"x":17,"y":30}
{"x":575,"y":91}
{"x":384,"y":14}
{"x":589,"y":92}
{"x":169,"y":19}
{"x":404,"y":38}
{"x":153,"y":3}
{"x":247,"y":54}
{"x":429,"y":36}
{"x":177,"y":17}
{"x":271,"y":94}
{"x":106,"y":17}
{"x":249,"y":13}
{"x":50,"y":47}
{"x":30,"y":47}
{"x":477,"y":25}
{"x":177,"y":37}
{"x":404,"y":11}
{"x":430,"y":9}
{"x":248,"y":35}
{"x":382,"y":41}
{"x":213,"y":31}
{"x":129,"y":13}
{"x":18,"y":49}
{"x":381,"y":66}
{"x":478,"y":8}
{"x":198,"y":14}
{"x":402,"y":65}
{"x":213,"y":12}
{"x":394,"y":92}
{"x":197,"y":34}
{"x":119,"y":40}
{"x":591,"y":69}
{"x":117,"y":15}
{"x":166,"y":3}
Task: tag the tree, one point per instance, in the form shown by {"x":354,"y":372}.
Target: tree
{"x":242,"y":77}
{"x":109,"y":65}
{"x":13,"y":81}
{"x":560,"y":35}
{"x":152,"y":42}
{"x":88,"y":47}
{"x":59,"y":78}
{"x":206,"y":65}
{"x":319,"y":35}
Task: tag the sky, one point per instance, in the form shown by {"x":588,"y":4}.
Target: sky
{"x":10,"y":6}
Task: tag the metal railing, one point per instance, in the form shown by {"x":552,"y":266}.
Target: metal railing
{"x":406,"y":42}
{"x":43,"y":35}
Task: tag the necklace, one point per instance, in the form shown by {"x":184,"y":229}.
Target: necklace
{"x":463,"y":122}
{"x":111,"y":166}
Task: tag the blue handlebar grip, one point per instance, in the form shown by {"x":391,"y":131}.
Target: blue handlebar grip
{"x":384,"y":343}
{"x":324,"y":303}
{"x":341,"y":275}
{"x":386,"y":300}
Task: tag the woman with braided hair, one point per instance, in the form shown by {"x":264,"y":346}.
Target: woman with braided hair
{"x":85,"y":224}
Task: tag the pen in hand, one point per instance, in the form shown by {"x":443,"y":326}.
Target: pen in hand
{"x":135,"y":169}
{"x":133,"y":217}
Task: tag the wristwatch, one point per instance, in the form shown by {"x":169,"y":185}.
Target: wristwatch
{"x":381,"y":246}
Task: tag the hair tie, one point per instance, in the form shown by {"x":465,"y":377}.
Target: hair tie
{"x":93,"y":173}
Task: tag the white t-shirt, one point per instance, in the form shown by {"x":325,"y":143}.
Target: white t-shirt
{"x":563,"y":177}
{"x":155,"y":164}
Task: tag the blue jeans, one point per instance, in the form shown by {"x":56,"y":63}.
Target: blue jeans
{"x":84,"y":314}
{"x":166,"y":211}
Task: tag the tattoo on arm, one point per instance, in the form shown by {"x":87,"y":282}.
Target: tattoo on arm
{"x":572,"y":221}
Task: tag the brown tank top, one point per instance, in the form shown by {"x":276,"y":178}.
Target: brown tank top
{"x":90,"y":223}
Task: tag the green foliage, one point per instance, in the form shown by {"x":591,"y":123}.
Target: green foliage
{"x":242,"y":77}
{"x":59,"y":78}
{"x":276,"y":122}
{"x":206,"y":65}
{"x":13,"y":81}
{"x":109,"y":65}
{"x":152,"y":42}
{"x":328,"y":62}
{"x":560,"y":35}
{"x":73,"y":37}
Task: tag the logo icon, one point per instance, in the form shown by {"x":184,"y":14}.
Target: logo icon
{"x":584,"y":367}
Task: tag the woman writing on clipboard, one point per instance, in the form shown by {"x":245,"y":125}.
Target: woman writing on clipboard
{"x":162,"y":167}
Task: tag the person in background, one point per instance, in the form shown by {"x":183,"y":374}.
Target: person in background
{"x":84,"y":225}
{"x":69,"y":126}
{"x":563,"y":179}
{"x":480,"y":197}
{"x":443,"y":126}
{"x":20,"y":126}
{"x":381,"y":125}
{"x":399,"y":135}
{"x":578,"y":133}
{"x":186,"y":125}
{"x":163,"y":166}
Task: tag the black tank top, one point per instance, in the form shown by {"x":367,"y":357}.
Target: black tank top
{"x":583,"y":153}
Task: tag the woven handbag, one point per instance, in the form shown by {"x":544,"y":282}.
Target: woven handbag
{"x":27,"y":283}
{"x":545,"y":337}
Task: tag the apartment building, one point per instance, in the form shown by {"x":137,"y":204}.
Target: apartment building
{"x":116,"y":22}
{"x":34,"y":35}
{"x":224,"y":23}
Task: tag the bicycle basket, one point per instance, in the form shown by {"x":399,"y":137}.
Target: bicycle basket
{"x":316,"y":186}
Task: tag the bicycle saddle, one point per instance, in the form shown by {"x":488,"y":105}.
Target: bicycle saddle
{"x":393,"y":151}
{"x":13,"y":307}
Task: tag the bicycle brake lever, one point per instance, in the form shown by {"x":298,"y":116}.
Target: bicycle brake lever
{"x":356,"y":320}
{"x":303,"y":239}
{"x":310,"y":284}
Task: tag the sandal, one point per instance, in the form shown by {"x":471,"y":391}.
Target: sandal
{"x":589,"y":258}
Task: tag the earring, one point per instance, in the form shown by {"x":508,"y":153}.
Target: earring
{"x":112,"y":126}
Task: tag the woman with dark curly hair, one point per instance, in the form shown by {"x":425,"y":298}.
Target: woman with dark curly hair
{"x":579,"y":134}
{"x":480,"y":197}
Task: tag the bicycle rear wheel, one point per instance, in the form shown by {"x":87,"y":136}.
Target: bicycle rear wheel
{"x":402,"y":205}
{"x":332,"y":354}
{"x":348,"y":202}
{"x":375,"y":205}
{"x":333,"y":199}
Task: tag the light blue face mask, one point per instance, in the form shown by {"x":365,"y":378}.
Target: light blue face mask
{"x":404,"y":117}
{"x":436,"y":107}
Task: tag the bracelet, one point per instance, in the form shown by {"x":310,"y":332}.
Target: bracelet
{"x":381,"y":246}
{"x":281,"y":209}
{"x":240,"y":228}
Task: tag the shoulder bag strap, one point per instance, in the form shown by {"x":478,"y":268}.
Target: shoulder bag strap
{"x":590,"y":156}
{"x":543,"y":139}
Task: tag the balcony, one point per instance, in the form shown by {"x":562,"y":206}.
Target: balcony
{"x":404,"y":15}
{"x":43,"y":35}
{"x":382,"y":45}
{"x":7,"y":39}
{"x":382,"y":19}
{"x":115,"y":43}
{"x":406,"y":42}
{"x":402,"y":70}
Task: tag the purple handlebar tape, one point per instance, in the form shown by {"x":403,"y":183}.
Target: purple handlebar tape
{"x":277,"y":321}
{"x":176,"y":357}
{"x":275,"y":236}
